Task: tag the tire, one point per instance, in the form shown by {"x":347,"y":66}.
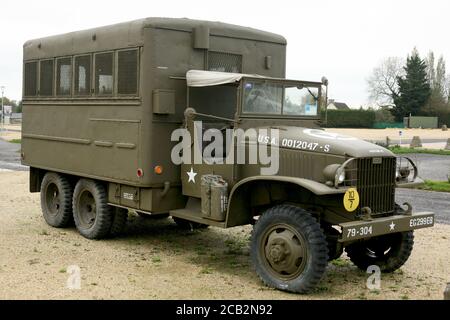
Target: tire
{"x":189,"y":225}
{"x":300,"y":266}
{"x":92,"y":214}
{"x":119,"y":222}
{"x":56,"y":200}
{"x":388,"y":252}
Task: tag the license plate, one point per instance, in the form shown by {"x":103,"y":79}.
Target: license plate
{"x":381,"y":226}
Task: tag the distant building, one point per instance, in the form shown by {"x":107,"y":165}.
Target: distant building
{"x":334,"y":105}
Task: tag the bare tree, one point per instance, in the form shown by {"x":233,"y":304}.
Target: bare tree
{"x":440,"y":85}
{"x":382,"y":83}
{"x":431,"y":71}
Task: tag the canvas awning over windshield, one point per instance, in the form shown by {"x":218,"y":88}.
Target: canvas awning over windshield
{"x":200,"y":78}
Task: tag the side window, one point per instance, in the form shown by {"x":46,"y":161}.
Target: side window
{"x":46,"y":78}
{"x":83,"y":75}
{"x":127,"y":81}
{"x":64,"y":77}
{"x":104,"y":81}
{"x":30,"y":89}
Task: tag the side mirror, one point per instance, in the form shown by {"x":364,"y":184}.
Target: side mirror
{"x":189,"y":113}
{"x":325,"y":81}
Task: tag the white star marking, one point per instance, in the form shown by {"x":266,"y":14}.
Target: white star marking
{"x":191,"y":175}
{"x":392,"y":226}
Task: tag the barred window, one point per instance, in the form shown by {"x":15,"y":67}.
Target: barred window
{"x":83,"y":75}
{"x":46,"y":78}
{"x":224,"y":62}
{"x":104,"y":80}
{"x":30,"y":79}
{"x":64,"y":77}
{"x":127,"y":81}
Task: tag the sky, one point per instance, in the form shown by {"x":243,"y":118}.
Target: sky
{"x":342,"y":40}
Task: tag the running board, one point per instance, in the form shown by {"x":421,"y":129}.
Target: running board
{"x":193,"y":213}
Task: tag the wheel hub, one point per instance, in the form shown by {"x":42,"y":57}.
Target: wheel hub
{"x":53,"y":199}
{"x":277,"y":253}
{"x":88,"y":209}
{"x":285,"y":252}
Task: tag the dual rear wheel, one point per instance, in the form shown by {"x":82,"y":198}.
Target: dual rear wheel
{"x":86,"y":205}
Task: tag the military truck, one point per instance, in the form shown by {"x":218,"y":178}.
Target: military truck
{"x":100,"y":108}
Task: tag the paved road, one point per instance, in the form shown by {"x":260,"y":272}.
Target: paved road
{"x":431,"y":166}
{"x":10,"y":157}
{"x":437,"y":202}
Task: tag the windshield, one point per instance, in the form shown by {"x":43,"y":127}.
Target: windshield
{"x":280,"y":99}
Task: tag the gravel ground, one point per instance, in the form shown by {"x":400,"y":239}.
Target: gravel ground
{"x":155,"y":260}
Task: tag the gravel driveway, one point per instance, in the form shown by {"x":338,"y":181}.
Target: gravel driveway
{"x":156,"y":260}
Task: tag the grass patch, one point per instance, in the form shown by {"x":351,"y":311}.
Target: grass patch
{"x":340,"y":262}
{"x":156,"y":260}
{"x":404,"y":150}
{"x":235,"y":246}
{"x":206,"y":271}
{"x":18,"y":141}
{"x":441,"y":186}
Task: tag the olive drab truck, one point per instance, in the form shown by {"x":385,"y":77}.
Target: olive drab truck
{"x":101,"y":113}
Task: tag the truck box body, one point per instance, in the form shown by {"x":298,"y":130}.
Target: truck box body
{"x":110,"y":137}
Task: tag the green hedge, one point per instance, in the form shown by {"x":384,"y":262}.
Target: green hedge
{"x":444,"y":118}
{"x":349,"y":119}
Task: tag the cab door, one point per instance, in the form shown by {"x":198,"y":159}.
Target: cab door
{"x":201,"y":162}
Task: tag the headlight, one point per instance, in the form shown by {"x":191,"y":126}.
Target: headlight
{"x":341,"y":177}
{"x":334,"y":174}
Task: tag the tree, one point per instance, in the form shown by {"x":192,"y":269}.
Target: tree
{"x":431,"y":71}
{"x":413,"y":88}
{"x":439,"y":88}
{"x":382,"y":84}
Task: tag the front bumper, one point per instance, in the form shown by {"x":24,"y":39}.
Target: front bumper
{"x":386,"y":225}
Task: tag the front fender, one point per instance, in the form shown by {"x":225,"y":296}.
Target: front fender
{"x":314,"y":187}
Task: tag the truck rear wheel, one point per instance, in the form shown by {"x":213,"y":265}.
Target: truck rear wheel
{"x":92,"y":214}
{"x":288,"y":249}
{"x":389,"y":252}
{"x":56,"y":200}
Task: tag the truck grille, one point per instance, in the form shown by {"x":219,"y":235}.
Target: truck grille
{"x":376,"y":184}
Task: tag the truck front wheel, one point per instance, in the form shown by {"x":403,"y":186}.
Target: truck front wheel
{"x":388,"y":252}
{"x":56,"y":200}
{"x":92,"y":214}
{"x":288,"y":249}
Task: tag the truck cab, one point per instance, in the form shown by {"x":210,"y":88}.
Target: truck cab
{"x":346,"y":185}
